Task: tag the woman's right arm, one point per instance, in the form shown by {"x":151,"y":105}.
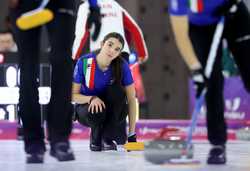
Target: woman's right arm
{"x":95,"y":103}
{"x":77,"y":97}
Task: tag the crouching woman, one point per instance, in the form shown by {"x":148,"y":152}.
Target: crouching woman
{"x":104,"y":92}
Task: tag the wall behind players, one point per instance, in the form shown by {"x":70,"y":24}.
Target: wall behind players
{"x":3,"y":12}
{"x":165,"y":74}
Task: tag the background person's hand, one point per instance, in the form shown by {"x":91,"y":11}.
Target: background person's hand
{"x":200,"y":81}
{"x":225,"y":8}
{"x":94,"y":19}
{"x":141,"y":60}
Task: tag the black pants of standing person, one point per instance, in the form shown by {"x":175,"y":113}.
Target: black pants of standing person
{"x":237,"y":33}
{"x":111,"y":122}
{"x":59,"y":116}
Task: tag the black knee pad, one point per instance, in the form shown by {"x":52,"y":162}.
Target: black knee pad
{"x":116,"y":104}
{"x":96,"y":119}
{"x":88,"y":119}
{"x":81,"y":114}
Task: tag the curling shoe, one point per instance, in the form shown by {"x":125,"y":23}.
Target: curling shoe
{"x":109,"y":145}
{"x":62,"y":151}
{"x":217,"y":155}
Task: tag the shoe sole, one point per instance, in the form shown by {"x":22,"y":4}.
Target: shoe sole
{"x":95,"y":149}
{"x":216,"y":162}
{"x":109,"y":148}
{"x":34,"y":161}
{"x":69,"y":157}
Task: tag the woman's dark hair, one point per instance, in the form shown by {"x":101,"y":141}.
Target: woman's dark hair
{"x":116,"y":64}
{"x":116,"y":36}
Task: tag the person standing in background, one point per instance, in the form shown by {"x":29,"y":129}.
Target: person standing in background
{"x":59,"y":114}
{"x":114,"y":19}
{"x":7,"y":43}
{"x":194,"y":23}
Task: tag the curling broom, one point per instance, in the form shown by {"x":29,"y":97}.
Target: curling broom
{"x":36,"y":17}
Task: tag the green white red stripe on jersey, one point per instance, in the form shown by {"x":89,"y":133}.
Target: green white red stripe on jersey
{"x":196,"y":6}
{"x":89,"y":72}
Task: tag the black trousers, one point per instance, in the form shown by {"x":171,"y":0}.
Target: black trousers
{"x":237,"y":27}
{"x":113,"y":119}
{"x":61,"y":30}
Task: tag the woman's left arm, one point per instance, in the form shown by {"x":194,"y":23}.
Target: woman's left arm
{"x":130,"y":92}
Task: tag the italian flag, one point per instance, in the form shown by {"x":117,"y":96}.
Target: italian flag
{"x":196,"y":6}
{"x":89,"y":72}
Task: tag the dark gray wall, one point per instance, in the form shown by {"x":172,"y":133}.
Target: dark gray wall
{"x":3,"y":12}
{"x":165,"y":74}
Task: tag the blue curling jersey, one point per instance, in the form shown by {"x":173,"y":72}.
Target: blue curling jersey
{"x":93,"y":80}
{"x":200,"y":12}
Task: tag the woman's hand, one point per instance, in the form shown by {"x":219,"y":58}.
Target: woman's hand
{"x":96,"y":105}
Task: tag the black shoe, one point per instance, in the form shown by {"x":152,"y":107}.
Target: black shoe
{"x":109,"y":145}
{"x":217,"y":155}
{"x":62,"y":151}
{"x":35,"y":152}
{"x":94,"y":147}
{"x":34,"y":158}
{"x":96,"y":139}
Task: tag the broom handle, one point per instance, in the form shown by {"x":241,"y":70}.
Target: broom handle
{"x":43,"y":4}
{"x":41,"y":7}
{"x":214,"y":47}
{"x":208,"y":70}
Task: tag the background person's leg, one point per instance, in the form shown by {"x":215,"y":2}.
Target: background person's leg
{"x":201,"y":38}
{"x":238,"y":36}
{"x":214,"y":97}
{"x":61,"y":34}
{"x":60,"y":109}
{"x":29,"y":108}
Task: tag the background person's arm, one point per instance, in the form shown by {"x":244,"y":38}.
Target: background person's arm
{"x":184,"y":44}
{"x":136,"y":35}
{"x":81,"y":33}
{"x":180,"y":29}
